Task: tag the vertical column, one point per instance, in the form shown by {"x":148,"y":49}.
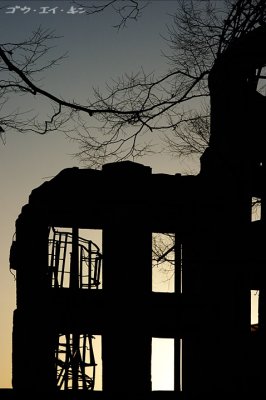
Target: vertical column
{"x":127,"y":282}
{"x":74,"y":265}
{"x":33,"y":345}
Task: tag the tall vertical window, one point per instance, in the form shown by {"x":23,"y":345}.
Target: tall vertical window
{"x":163,"y":262}
{"x":163,"y":364}
{"x":254,"y":308}
{"x":256,"y":209}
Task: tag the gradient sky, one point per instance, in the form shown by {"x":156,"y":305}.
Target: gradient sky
{"x":97,"y":52}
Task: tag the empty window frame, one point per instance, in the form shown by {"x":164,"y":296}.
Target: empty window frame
{"x":254,"y":309}
{"x":255,"y":209}
{"x":166,"y":364}
{"x":163,"y":262}
{"x":166,"y":263}
{"x":74,"y":261}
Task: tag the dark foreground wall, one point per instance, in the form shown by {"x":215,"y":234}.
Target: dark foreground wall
{"x":210,"y":216}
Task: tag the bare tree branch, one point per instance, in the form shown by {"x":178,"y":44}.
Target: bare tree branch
{"x":127,"y":10}
{"x":141,"y":112}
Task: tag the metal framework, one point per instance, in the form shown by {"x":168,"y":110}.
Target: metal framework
{"x":62,"y":264}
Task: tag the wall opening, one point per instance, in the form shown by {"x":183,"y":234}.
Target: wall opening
{"x":255,"y":209}
{"x":254,"y":309}
{"x":163,"y":262}
{"x":74,"y":261}
{"x":78,"y":362}
{"x":180,"y":353}
{"x":163,"y":364}
{"x":179,"y":266}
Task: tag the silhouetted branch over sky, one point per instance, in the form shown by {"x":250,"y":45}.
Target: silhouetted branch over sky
{"x":133,"y":110}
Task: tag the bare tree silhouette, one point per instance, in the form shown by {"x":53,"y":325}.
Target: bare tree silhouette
{"x":135,"y":110}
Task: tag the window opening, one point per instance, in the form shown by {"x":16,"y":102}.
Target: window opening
{"x":162,"y":364}
{"x":163,"y":262}
{"x":76,"y":362}
{"x":256,"y":209}
{"x":73,"y":261}
{"x":180,"y":365}
{"x":254,"y":309}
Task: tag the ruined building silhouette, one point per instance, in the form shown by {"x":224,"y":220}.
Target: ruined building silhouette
{"x":70,"y":291}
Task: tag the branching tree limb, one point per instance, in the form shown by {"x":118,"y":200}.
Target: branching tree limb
{"x":174,"y":106}
{"x":127,"y":10}
{"x":20,"y":65}
{"x":134,"y":111}
{"x":125,"y":120}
